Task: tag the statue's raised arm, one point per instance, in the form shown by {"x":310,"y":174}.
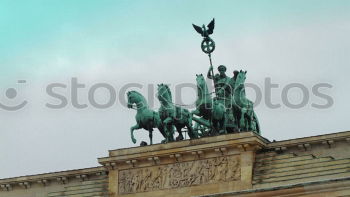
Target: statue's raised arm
{"x":210,"y":73}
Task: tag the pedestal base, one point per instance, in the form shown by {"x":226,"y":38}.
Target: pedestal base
{"x":186,"y":168}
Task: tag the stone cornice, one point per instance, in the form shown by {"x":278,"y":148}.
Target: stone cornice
{"x":184,"y":150}
{"x":307,"y":142}
{"x":185,"y":143}
{"x":44,"y":179}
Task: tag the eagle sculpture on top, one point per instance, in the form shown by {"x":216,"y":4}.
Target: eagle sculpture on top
{"x":204,"y":31}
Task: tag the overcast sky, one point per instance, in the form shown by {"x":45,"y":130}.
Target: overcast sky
{"x":151,"y":42}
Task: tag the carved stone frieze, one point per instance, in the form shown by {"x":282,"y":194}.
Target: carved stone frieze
{"x":185,"y":174}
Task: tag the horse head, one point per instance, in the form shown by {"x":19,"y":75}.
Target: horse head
{"x":240,"y":78}
{"x":200,"y":80}
{"x":202,"y":88}
{"x":135,"y":97}
{"x":164,"y":93}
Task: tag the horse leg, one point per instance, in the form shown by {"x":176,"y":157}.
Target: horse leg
{"x":256,"y":123}
{"x":247,"y":121}
{"x":170,"y":134}
{"x":250,"y":121}
{"x":169,"y":129}
{"x":150,"y":134}
{"x":137,"y":126}
{"x":191,"y":132}
{"x":223,"y":124}
{"x":242,"y":119}
{"x":252,"y":124}
{"x":161,"y":130}
{"x":180,"y":137}
{"x":235,"y":113}
{"x":215,"y":127}
{"x":222,"y":121}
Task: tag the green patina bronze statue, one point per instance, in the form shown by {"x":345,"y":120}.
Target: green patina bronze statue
{"x":210,"y":109}
{"x":208,"y":44}
{"x":172,"y":115}
{"x":248,"y":120}
{"x":226,"y":110}
{"x":145,"y":117}
{"x":224,"y":86}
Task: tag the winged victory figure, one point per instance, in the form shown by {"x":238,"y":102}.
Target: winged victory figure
{"x":203,"y":30}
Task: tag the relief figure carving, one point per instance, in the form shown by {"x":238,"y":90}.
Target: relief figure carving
{"x":206,"y":171}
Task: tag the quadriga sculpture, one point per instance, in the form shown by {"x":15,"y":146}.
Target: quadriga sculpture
{"x":228,"y":112}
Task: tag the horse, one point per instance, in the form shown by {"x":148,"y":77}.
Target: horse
{"x":209,"y":109}
{"x":145,"y":117}
{"x":172,"y":115}
{"x":247,"y":117}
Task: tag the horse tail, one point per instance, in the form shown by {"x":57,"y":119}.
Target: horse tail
{"x":257,"y":124}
